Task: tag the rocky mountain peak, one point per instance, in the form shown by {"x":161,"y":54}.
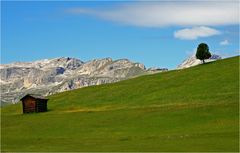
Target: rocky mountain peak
{"x":193,"y":61}
{"x":64,"y":62}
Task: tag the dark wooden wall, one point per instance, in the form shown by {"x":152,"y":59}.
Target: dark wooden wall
{"x":41,"y":105}
{"x":29,"y":105}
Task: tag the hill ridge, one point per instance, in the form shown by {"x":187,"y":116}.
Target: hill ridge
{"x":188,"y":110}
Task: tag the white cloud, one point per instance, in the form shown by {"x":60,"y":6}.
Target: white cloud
{"x":168,"y":13}
{"x":195,"y":32}
{"x":224,"y":42}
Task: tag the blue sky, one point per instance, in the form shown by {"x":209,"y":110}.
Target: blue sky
{"x":157,"y":34}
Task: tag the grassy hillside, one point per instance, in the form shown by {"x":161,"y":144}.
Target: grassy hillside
{"x":195,"y":109}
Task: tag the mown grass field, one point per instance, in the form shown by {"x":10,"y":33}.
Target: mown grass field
{"x":195,"y":109}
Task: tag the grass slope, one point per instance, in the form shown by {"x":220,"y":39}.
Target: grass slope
{"x":195,"y":109}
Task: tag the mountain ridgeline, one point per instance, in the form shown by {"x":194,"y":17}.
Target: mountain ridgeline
{"x":51,"y":76}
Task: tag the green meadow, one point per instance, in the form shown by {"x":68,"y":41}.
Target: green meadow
{"x":194,"y":109}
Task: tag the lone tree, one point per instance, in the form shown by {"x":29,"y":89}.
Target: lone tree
{"x":203,"y":52}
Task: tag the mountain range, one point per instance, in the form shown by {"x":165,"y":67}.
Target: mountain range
{"x":50,"y":76}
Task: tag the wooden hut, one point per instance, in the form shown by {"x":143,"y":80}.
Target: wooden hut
{"x":34,"y":103}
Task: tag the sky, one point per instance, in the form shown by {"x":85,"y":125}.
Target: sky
{"x":157,"y":34}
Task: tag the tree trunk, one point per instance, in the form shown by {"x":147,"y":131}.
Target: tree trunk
{"x":203,"y":61}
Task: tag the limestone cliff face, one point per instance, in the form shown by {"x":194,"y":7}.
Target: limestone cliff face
{"x":50,"y":76}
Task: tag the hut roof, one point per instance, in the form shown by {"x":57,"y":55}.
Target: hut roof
{"x":34,"y":96}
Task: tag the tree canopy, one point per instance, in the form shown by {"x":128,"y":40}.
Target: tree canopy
{"x":203,"y":52}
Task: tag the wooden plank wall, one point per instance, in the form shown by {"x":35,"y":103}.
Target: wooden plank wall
{"x":29,"y":105}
